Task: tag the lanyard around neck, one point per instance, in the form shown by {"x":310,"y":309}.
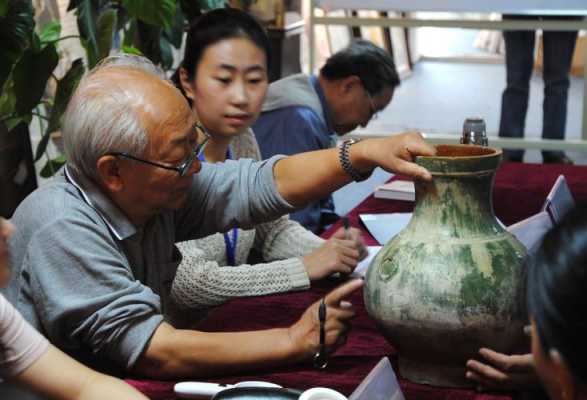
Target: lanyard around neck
{"x":229,"y":243}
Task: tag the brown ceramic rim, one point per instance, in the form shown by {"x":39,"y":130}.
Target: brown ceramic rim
{"x":456,"y":174}
{"x":482,"y":152}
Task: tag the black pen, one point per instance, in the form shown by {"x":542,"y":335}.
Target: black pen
{"x":347,"y":226}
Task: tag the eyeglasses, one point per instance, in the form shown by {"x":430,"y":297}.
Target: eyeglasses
{"x":182,"y":168}
{"x":374,"y":111}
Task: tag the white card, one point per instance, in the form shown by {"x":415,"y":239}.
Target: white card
{"x":531,"y":230}
{"x":380,"y":384}
{"x":361,"y":269}
{"x":383,"y":227}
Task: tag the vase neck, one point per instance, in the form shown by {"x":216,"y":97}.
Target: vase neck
{"x":456,"y":206}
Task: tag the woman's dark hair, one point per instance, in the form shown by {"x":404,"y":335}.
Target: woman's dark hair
{"x":557,"y":291}
{"x":213,"y":27}
{"x":373,"y":65}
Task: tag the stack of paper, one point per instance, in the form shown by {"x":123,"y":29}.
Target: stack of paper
{"x":396,"y":190}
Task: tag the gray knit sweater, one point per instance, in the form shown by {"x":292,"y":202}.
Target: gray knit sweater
{"x":203,"y":278}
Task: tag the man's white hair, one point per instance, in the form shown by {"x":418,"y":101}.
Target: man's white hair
{"x":100,"y":117}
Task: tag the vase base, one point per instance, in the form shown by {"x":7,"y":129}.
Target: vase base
{"x":426,"y":373}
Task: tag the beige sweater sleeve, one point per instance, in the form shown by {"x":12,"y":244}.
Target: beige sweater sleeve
{"x":203,"y":280}
{"x":284,"y":238}
{"x":20,"y":344}
{"x":201,"y":283}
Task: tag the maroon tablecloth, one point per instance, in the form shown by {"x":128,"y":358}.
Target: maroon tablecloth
{"x":519,"y":192}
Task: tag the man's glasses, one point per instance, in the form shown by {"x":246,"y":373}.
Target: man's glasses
{"x":373,"y":109}
{"x":185,"y":166}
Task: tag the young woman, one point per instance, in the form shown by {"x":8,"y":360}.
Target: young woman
{"x":224,"y":77}
{"x":27,"y":358}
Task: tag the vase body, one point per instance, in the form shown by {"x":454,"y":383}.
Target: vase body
{"x":453,"y":280}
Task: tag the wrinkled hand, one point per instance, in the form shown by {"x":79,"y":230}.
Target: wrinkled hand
{"x":305,"y":333}
{"x":394,"y":154}
{"x":341,"y":253}
{"x":502,"y":371}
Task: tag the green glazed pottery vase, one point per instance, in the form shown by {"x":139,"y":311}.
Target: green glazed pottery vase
{"x":453,"y":280}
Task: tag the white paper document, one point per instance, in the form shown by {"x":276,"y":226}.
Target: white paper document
{"x":380,"y":384}
{"x":383,"y":227}
{"x":361,"y":269}
{"x":531,"y":230}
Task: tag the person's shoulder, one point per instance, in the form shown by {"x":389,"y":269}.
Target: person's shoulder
{"x":57,"y":195}
{"x":296,"y":79}
{"x":56,"y":202}
{"x":293,"y":113}
{"x":302,"y":118}
{"x":306,"y":113}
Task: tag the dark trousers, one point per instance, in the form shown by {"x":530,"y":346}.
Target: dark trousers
{"x":558,"y":53}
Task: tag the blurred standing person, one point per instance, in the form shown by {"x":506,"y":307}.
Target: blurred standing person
{"x":558,"y":53}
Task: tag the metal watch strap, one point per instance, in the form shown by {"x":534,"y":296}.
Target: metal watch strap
{"x":345,"y":160}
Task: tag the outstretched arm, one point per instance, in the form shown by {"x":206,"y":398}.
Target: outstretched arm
{"x":308,"y":176}
{"x":172,"y":353}
{"x":58,"y":376}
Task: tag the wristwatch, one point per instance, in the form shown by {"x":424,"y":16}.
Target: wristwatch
{"x":345,"y":161}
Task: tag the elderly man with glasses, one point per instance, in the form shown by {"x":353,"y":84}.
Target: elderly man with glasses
{"x":304,"y":113}
{"x":95,"y":255}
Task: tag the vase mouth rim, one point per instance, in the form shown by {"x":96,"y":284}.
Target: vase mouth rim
{"x":463,"y":151}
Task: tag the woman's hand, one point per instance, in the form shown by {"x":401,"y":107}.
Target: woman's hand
{"x":503,"y":372}
{"x":305,"y":333}
{"x":341,"y":253}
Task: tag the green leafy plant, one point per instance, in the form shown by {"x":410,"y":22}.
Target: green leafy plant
{"x":32,"y":59}
{"x":147,"y":27}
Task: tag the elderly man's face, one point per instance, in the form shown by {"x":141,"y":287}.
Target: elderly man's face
{"x":6,"y":230}
{"x":356,"y":107}
{"x":169,"y":122}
